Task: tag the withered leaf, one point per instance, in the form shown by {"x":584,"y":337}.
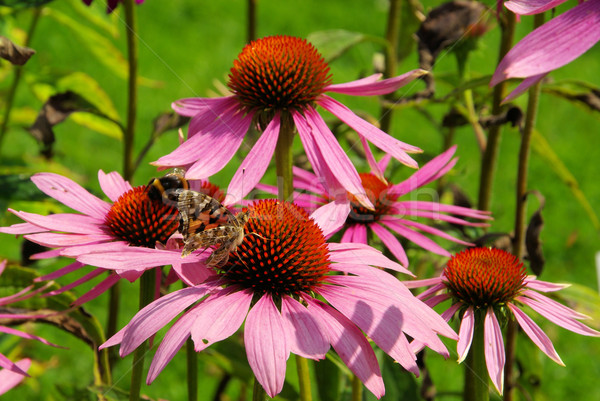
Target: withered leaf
{"x":168,"y":121}
{"x":17,"y":55}
{"x":533,"y":244}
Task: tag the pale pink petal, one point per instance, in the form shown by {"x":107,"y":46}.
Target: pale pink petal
{"x":536,"y":334}
{"x":435,"y":216}
{"x":417,"y":238}
{"x":23,"y":294}
{"x":352,"y":84}
{"x":267,"y":347}
{"x":375,"y":170}
{"x":391,"y":242}
{"x":98,"y":289}
{"x":53,"y":240}
{"x":554,"y":305}
{"x":66,"y":222}
{"x":368,"y":87}
{"x":544,"y":286}
{"x":554,"y":44}
{"x":422,"y":283}
{"x":113,"y":185}
{"x":424,"y":227}
{"x":529,"y":7}
{"x":366,"y":256}
{"x":103,"y":247}
{"x":136,"y":258}
{"x":89,"y":276}
{"x":255,"y":164}
{"x":359,"y":234}
{"x":10,"y":378}
{"x":331,"y":217}
{"x":21,"y":228}
{"x":494,"y":349}
{"x":524,"y":86}
{"x":373,"y":134}
{"x":416,"y":346}
{"x":71,"y":194}
{"x":225,"y":311}
{"x":192,"y":273}
{"x":439,"y":208}
{"x":307,"y":338}
{"x":465,"y":334}
{"x":190,"y":107}
{"x":170,"y":344}
{"x":350,"y":344}
{"x":7,"y":364}
{"x":156,"y":315}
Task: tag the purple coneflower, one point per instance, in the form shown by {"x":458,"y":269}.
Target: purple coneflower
{"x":485,"y":283}
{"x":111,"y":4}
{"x":272,"y":281}
{"x":277,"y":82}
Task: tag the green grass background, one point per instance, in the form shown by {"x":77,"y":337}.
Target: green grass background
{"x":185,"y":46}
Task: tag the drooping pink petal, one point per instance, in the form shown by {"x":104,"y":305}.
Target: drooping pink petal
{"x":98,"y":289}
{"x":156,"y":315}
{"x":255,"y":164}
{"x":369,"y":87}
{"x":435,"y":216}
{"x":21,"y":228}
{"x":416,"y":237}
{"x":103,"y":247}
{"x":424,"y":227}
{"x":375,"y":170}
{"x":358,"y":234}
{"x":373,"y":134}
{"x":391,"y":242}
{"x":136,"y":258}
{"x":113,"y":185}
{"x":554,"y":305}
{"x":552,"y":45}
{"x":543,"y":286}
{"x":267,"y":347}
{"x":422,"y":283}
{"x":350,"y":344}
{"x":71,"y":194}
{"x":308,"y":181}
{"x":524,"y":86}
{"x":53,"y":240}
{"x":416,"y":346}
{"x":89,"y":276}
{"x":67,"y":222}
{"x":192,"y":273}
{"x":190,"y":107}
{"x":536,"y":334}
{"x":465,"y":334}
{"x":307,"y":338}
{"x":439,"y":208}
{"x":494,"y":349}
{"x":331,"y":217}
{"x":219,"y":316}
{"x":9,"y":365}
{"x":60,"y":272}
{"x":530,"y":7}
{"x":10,"y":378}
{"x":22,"y":334}
{"x":365,"y":255}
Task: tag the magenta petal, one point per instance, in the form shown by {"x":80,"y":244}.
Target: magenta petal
{"x":465,"y":334}
{"x":494,"y":349}
{"x":10,"y":378}
{"x":135,"y":258}
{"x":391,"y":242}
{"x":226,"y":311}
{"x":350,"y":344}
{"x":306,"y":337}
{"x":189,"y":107}
{"x":113,"y":185}
{"x":267,"y":347}
{"x":536,"y":334}
{"x":331,"y":217}
{"x":417,"y":238}
{"x":71,"y":194}
{"x":529,"y":7}
{"x":543,"y":286}
{"x":369,"y":87}
{"x":18,"y":333}
{"x":98,"y":289}
{"x":66,"y":222}
{"x":554,"y":44}
{"x":255,"y":164}
{"x":524,"y":86}
{"x":365,"y":255}
{"x":53,"y":240}
{"x":156,"y":315}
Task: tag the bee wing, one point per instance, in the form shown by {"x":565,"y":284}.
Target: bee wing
{"x":200,"y":212}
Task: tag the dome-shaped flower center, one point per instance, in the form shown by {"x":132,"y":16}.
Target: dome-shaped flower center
{"x":283,"y":252}
{"x":278,"y":72}
{"x":377,"y":191}
{"x":141,"y":221}
{"x":210,"y":189}
{"x":483,"y":277}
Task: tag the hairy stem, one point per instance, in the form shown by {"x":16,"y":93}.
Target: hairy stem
{"x":477,"y":385}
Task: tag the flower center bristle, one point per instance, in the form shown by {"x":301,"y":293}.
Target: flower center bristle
{"x":483,"y":277}
{"x":377,"y":191}
{"x":283,"y":253}
{"x":212,"y":190}
{"x":277,"y":73}
{"x":141,"y":221}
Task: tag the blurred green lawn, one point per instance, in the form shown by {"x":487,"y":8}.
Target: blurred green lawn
{"x":188,"y":45}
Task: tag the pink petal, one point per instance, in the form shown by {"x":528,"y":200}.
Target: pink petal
{"x":135,"y":258}
{"x":331,"y":217}
{"x":391,"y":242}
{"x":14,"y":332}
{"x":89,"y":276}
{"x":529,"y":7}
{"x":554,"y":44}
{"x":373,"y":134}
{"x":61,"y":272}
{"x":55,"y":240}
{"x":424,"y":227}
{"x":368,"y":87}
{"x":439,"y":208}
{"x":71,"y":194}
{"x":267,"y":347}
{"x":356,"y":83}
{"x":190,"y":107}
{"x":494,"y":349}
{"x":21,"y":228}
{"x":367,"y":256}
{"x":543,"y":286}
{"x":465,"y":334}
{"x":524,"y":86}
{"x":307,"y":338}
{"x":98,"y":289}
{"x":375,"y":170}
{"x":554,"y":305}
{"x":350,"y":344}
{"x":156,"y":315}
{"x":417,"y":238}
{"x":103,"y":247}
{"x":65,"y":222}
{"x":536,"y":334}
{"x":255,"y":164}
{"x":113,"y":185}
{"x":226,"y":311}
{"x":192,"y":273}
{"x":10,"y":378}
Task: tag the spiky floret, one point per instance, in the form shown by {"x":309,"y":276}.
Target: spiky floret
{"x":377,"y":191}
{"x":141,"y":221}
{"x":283,"y":252}
{"x":484,"y":277}
{"x":277,"y":73}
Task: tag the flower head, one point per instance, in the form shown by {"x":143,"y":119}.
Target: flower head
{"x":120,"y":236}
{"x":390,"y":213}
{"x":272,"y":281}
{"x":486,"y":284}
{"x":278,"y":81}
{"x":111,"y":4}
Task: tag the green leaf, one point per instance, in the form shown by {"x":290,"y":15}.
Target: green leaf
{"x":333,"y":43}
{"x":541,"y":146}
{"x":91,"y":90}
{"x":98,"y":124}
{"x":329,"y":380}
{"x":409,"y":24}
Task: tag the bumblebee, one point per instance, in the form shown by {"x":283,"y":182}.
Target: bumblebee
{"x":167,"y":187}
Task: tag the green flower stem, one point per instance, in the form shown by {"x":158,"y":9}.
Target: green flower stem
{"x":391,"y":57}
{"x":357,"y":389}
{"x":147,"y":287}
{"x":258,"y":392}
{"x":477,"y":385}
{"x":12,"y":91}
{"x":521,"y":202}
{"x":490,"y":155}
{"x":132,"y":57}
{"x":283,"y":158}
{"x":303,"y":378}
{"x":192,"y":370}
